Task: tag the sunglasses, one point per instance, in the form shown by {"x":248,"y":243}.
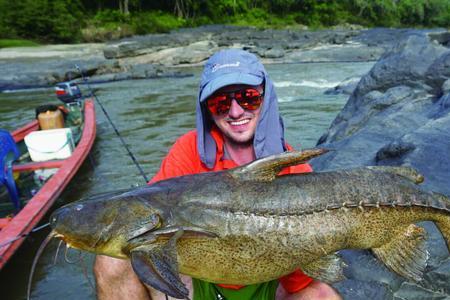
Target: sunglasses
{"x":220,"y":103}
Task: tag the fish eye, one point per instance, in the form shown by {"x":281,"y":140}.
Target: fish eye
{"x":79,"y":207}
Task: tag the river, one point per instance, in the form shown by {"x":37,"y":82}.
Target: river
{"x":151,"y":114}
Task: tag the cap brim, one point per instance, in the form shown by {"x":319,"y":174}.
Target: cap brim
{"x":228,"y":79}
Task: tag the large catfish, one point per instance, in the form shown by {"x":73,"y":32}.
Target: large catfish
{"x":249,"y":225}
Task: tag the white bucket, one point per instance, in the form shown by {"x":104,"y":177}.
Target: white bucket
{"x":50,"y":144}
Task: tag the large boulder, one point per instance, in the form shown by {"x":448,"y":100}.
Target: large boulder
{"x":399,"y":115}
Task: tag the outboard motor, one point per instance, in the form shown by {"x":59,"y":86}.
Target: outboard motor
{"x":68,"y":92}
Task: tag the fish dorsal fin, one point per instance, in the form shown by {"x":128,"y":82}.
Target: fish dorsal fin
{"x":406,"y":253}
{"x":329,"y":269}
{"x":406,"y":172}
{"x":266,"y":169}
{"x":157,"y":267}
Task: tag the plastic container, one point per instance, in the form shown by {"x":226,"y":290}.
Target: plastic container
{"x":51,"y":119}
{"x":50,"y":144}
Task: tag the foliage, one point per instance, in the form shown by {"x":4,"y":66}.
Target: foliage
{"x":153,"y":22}
{"x":6,"y":43}
{"x":110,"y":16}
{"x":75,"y":20}
{"x":49,"y":20}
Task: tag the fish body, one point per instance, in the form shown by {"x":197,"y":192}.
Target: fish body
{"x":248,"y":225}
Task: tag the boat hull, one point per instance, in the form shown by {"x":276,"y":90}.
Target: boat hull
{"x":13,"y":230}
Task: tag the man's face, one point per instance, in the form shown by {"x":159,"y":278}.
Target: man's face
{"x":237,"y":124}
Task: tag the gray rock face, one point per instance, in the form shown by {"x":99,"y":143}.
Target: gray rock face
{"x":399,"y":114}
{"x":345,"y":87}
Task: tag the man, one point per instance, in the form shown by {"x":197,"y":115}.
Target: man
{"x":237,"y":122}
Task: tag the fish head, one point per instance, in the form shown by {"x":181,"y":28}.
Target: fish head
{"x":105,"y":224}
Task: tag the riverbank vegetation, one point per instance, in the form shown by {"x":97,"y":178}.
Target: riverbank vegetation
{"x":71,"y":21}
{"x":6,"y":43}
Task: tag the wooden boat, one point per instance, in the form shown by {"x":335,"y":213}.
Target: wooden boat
{"x":16,"y":226}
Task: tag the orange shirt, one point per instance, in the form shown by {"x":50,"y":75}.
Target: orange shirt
{"x":184,"y":159}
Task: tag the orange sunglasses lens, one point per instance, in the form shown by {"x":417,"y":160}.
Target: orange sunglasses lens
{"x":249,"y":99}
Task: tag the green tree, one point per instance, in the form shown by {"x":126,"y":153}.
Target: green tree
{"x":47,"y":20}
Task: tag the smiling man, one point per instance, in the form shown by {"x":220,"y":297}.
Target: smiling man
{"x":237,"y":122}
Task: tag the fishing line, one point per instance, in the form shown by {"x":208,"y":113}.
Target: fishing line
{"x":24,"y":235}
{"x":35,"y":260}
{"x":112,"y":124}
{"x":86,"y":275}
{"x":114,"y":127}
{"x":71,"y":262}
{"x":57,"y":251}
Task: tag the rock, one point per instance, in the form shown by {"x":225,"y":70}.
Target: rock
{"x":394,"y":150}
{"x":142,"y":71}
{"x":333,"y":53}
{"x":140,"y":45}
{"x":364,"y":266}
{"x":439,"y":72}
{"x":446,"y":87}
{"x":361,"y":290}
{"x":444,"y":102}
{"x":273,"y":53}
{"x":442,"y":38}
{"x":191,"y":54}
{"x":407,"y":64}
{"x":399,"y":114}
{"x":345,"y":87}
{"x":192,"y":46}
{"x":411,"y":291}
{"x":439,"y":278}
{"x":436,"y":246}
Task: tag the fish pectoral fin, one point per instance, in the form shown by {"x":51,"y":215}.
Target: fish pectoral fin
{"x":329,"y":269}
{"x":266,"y":169}
{"x":406,"y":254}
{"x":157,"y":267}
{"x":144,"y":227}
{"x":406,"y":172}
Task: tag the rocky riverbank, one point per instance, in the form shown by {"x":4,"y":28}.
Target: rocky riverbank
{"x":165,"y":54}
{"x":398,"y":115}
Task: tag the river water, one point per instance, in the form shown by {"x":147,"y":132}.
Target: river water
{"x":151,"y":114}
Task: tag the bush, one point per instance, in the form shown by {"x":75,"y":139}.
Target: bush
{"x":155,"y":22}
{"x":110,"y":16}
{"x":95,"y":34}
{"x":107,"y":25}
{"x":254,"y":17}
{"x":6,"y":43}
{"x":46,"y":20}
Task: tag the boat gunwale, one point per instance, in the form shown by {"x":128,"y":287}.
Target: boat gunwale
{"x":40,"y":203}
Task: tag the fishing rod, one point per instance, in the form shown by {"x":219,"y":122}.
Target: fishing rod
{"x":23,"y":235}
{"x":112,"y":124}
{"x":115,"y":129}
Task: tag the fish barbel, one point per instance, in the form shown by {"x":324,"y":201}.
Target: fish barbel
{"x":249,"y":225}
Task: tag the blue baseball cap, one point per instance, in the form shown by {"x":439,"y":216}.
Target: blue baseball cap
{"x":231,"y":66}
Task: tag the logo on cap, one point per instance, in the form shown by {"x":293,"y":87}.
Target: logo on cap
{"x":216,"y":67}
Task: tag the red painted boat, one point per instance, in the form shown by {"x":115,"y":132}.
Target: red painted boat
{"x":13,"y":228}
